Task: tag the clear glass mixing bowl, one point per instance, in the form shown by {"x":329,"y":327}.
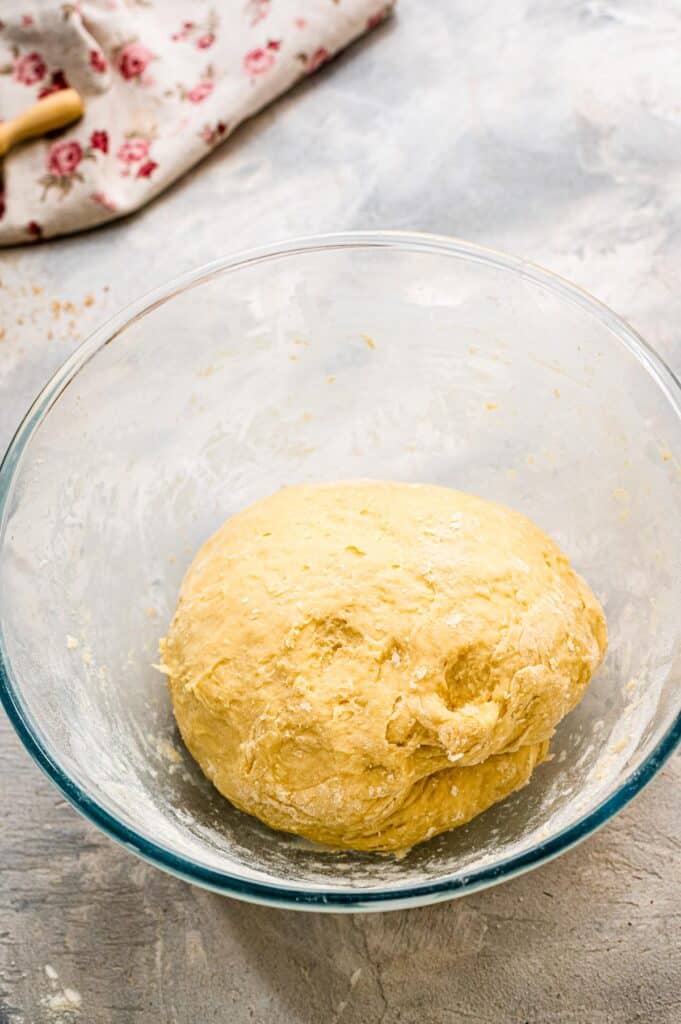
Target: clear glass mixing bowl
{"x":396,"y":356}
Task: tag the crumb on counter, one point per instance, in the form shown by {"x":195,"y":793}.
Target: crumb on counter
{"x":68,"y":999}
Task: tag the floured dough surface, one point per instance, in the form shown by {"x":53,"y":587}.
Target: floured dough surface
{"x":367,"y":664}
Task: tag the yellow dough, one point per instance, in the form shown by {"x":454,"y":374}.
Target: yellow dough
{"x":367,"y":664}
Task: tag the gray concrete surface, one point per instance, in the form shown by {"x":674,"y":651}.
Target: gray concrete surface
{"x":551,"y":129}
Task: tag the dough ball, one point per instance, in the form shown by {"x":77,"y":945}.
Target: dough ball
{"x":367,"y":664}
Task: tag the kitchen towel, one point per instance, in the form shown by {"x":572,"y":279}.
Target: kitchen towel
{"x":164,"y":82}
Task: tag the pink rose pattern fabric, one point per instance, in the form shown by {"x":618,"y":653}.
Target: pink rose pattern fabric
{"x":164,"y":82}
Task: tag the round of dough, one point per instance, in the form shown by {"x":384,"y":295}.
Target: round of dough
{"x":367,"y":664}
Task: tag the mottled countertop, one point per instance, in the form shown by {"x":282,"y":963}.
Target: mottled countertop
{"x":547,"y":128}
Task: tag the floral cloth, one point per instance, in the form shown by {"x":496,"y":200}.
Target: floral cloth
{"x":164,"y":82}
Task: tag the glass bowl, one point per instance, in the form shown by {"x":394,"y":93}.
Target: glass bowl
{"x":385,"y":355}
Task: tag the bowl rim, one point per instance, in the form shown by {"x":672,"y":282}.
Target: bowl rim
{"x":318,"y":897}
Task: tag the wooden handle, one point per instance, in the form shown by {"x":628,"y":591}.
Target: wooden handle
{"x":55,"y":111}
